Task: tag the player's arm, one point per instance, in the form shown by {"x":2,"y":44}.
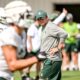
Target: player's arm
{"x":29,"y":42}
{"x":60,"y":17}
{"x":12,"y":61}
{"x":30,"y":35}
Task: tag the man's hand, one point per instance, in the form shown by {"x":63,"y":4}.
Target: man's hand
{"x":53,"y":51}
{"x":65,"y":11}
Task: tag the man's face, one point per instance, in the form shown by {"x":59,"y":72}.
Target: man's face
{"x":42,"y":21}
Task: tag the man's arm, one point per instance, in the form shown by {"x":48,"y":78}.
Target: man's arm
{"x":12,"y":61}
{"x":29,"y":42}
{"x":60,"y":17}
{"x":62,"y":35}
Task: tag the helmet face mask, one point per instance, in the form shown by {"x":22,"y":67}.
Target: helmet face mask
{"x":2,"y":15}
{"x":16,"y":12}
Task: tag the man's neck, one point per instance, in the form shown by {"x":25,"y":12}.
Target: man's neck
{"x":18,"y":30}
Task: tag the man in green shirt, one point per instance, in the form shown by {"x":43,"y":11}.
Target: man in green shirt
{"x":70,"y":49}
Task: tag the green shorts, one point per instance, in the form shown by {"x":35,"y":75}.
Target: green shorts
{"x":78,"y":45}
{"x":71,"y":47}
{"x":51,"y":70}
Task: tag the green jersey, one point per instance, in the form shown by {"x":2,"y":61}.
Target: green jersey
{"x":72,"y":31}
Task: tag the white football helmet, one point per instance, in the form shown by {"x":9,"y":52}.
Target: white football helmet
{"x":16,"y":11}
{"x":69,"y":16}
{"x":2,"y":12}
{"x":29,"y":10}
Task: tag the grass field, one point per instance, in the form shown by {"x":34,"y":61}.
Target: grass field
{"x":66,"y":75}
{"x":71,"y":75}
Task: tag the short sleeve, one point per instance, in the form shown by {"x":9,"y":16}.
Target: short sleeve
{"x":7,"y":38}
{"x":30,"y":31}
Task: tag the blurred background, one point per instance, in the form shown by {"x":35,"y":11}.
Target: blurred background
{"x":52,"y":5}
